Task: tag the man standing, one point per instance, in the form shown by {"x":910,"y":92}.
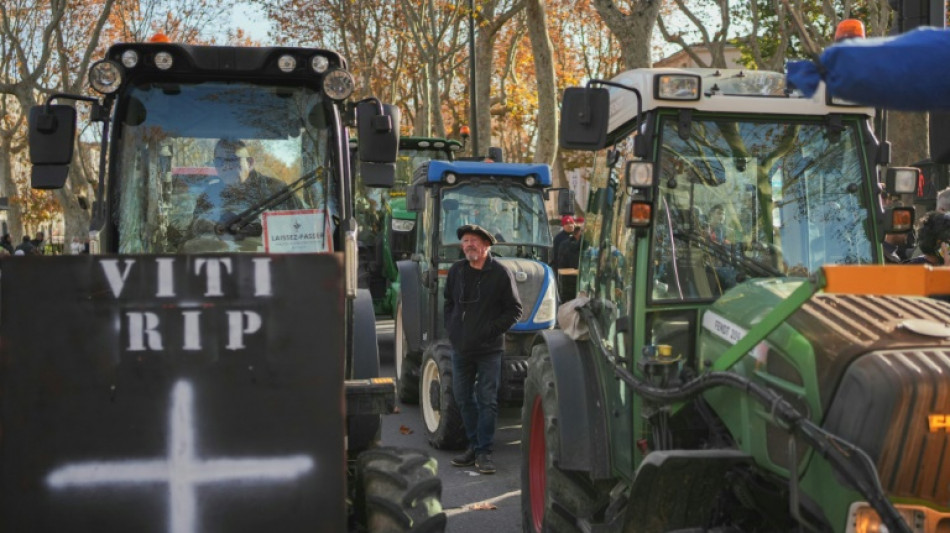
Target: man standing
{"x":481,"y":304}
{"x":567,"y":229}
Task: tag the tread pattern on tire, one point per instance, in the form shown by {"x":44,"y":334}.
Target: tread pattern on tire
{"x":399,"y":491}
{"x":450,"y":435}
{"x":569,"y":496}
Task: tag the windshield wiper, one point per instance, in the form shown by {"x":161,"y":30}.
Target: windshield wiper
{"x":244,"y":218}
{"x":725,"y":254}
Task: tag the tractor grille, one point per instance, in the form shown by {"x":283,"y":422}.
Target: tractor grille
{"x":529,"y":290}
{"x":894,"y":404}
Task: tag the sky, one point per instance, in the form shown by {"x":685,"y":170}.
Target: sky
{"x":252,"y":20}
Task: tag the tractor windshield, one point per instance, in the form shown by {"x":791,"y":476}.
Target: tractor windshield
{"x":514,"y":214}
{"x":745,"y":199}
{"x":224,"y":167}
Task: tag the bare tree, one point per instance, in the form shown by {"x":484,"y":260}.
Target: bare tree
{"x":491,"y":17}
{"x":436,"y":33}
{"x":631,"y":22}
{"x":714,"y":44}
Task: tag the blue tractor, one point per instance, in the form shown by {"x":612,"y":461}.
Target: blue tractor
{"x":509,"y":199}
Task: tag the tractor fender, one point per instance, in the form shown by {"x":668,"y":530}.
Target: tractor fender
{"x":365,"y":347}
{"x":582,"y":421}
{"x":411,"y":295}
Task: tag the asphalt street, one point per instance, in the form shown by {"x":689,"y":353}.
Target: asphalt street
{"x":474,"y":503}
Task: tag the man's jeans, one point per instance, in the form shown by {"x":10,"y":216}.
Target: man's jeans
{"x":476,"y":393}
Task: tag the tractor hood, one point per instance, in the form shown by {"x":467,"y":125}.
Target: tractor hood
{"x":535,"y":282}
{"x":874,"y":370}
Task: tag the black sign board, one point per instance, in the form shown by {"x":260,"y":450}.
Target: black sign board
{"x":171,"y":394}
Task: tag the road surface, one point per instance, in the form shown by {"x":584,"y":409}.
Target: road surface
{"x":474,"y":503}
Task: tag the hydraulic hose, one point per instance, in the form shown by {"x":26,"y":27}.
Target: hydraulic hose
{"x":852,"y":462}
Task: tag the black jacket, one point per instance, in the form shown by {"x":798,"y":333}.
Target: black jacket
{"x":492,"y":306}
{"x":569,"y":253}
{"x":559,"y":239}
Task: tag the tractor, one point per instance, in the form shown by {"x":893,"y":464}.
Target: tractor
{"x":216,"y":367}
{"x":737,"y":359}
{"x":509,"y":200}
{"x":386,"y":227}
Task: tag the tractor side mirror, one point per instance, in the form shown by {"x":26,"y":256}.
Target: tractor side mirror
{"x":415,"y":198}
{"x":52,"y":134}
{"x":496,"y":154}
{"x":378,"y":127}
{"x":584,"y":117}
{"x":565,"y":202}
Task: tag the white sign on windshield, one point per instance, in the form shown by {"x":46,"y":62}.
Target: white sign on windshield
{"x":296,"y":231}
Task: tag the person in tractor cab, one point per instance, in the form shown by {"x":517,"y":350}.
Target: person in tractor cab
{"x":238,"y":186}
{"x":481,"y":304}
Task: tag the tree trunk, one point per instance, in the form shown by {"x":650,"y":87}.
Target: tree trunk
{"x":423,"y":123}
{"x":543,"y":52}
{"x":435,"y":105}
{"x":9,"y":189}
{"x":634,"y":31}
{"x":908,"y":133}
{"x":484,"y":58}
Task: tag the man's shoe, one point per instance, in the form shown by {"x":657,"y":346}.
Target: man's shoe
{"x":484,"y":464}
{"x":466,"y":459}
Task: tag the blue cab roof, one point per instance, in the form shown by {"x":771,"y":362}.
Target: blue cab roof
{"x":437,"y":170}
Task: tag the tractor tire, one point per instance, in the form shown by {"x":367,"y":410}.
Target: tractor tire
{"x":364,"y":431}
{"x":397,"y":491}
{"x":440,"y":415}
{"x":552,"y":500}
{"x":406,"y":363}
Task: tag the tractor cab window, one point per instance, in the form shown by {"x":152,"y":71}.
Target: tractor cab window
{"x":225,"y":167}
{"x":750,"y":199}
{"x":514,"y":214}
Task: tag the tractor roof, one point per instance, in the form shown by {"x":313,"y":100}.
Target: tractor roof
{"x":438,"y":169}
{"x":722,"y":91}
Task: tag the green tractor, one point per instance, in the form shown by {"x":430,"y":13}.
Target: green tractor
{"x":387,"y":228}
{"x":710,"y":376}
{"x":216,"y":367}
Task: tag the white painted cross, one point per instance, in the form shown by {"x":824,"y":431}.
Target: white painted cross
{"x":181,"y":470}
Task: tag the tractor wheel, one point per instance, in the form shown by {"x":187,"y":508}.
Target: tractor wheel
{"x":443,"y":422}
{"x":364,"y":431}
{"x":398,"y":490}
{"x":407,"y":364}
{"x":551,"y":499}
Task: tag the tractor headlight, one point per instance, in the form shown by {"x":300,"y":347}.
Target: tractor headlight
{"x":319,"y":64}
{"x":547,"y":311}
{"x":677,"y":87}
{"x":338,"y":84}
{"x":862,"y":518}
{"x":530,"y":181}
{"x":403,"y":225}
{"x":130,"y":58}
{"x":451,"y":178}
{"x":163,"y":60}
{"x":286,"y":63}
{"x":105,"y":76}
{"x":902,"y":180}
{"x":639,"y":174}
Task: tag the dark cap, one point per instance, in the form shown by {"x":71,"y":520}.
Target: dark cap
{"x":477,"y":230}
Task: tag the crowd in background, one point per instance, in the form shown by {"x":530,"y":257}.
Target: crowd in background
{"x":38,"y":245}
